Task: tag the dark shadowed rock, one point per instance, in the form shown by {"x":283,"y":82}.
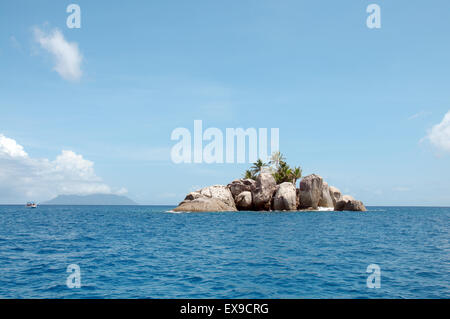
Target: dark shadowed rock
{"x":262,"y":193}
{"x":241,"y":185}
{"x":340,"y":204}
{"x":193,"y":195}
{"x":244,"y":201}
{"x":310,"y":191}
{"x":350,"y":204}
{"x":355,"y":205}
{"x":285,"y":197}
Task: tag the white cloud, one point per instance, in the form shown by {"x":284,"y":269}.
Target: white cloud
{"x":25,"y":178}
{"x":439,"y":135}
{"x":9,"y":147}
{"x":67,"y":57}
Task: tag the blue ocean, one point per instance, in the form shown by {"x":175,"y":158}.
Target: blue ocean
{"x":149,"y":252}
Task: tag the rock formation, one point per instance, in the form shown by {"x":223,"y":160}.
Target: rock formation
{"x":347,"y":202}
{"x":244,"y":201}
{"x":335,"y":194}
{"x":204,"y":204}
{"x":213,"y":198}
{"x":241,"y":185}
{"x":220,"y":192}
{"x":310,"y":191}
{"x":325,"y":198}
{"x":285,"y":197}
{"x":263,"y":191}
{"x":263,"y":194}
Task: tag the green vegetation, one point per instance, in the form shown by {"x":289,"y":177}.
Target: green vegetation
{"x":248,"y":174}
{"x":280,"y":169}
{"x":257,"y":166}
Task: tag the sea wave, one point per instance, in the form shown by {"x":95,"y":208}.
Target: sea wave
{"x":155,"y":252}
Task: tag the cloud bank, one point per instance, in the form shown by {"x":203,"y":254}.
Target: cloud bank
{"x":25,"y":178}
{"x":66,"y":56}
{"x":439,"y":135}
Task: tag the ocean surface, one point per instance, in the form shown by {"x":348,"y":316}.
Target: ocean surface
{"x":148,"y":252}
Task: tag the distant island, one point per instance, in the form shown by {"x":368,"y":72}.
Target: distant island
{"x":270,"y":187}
{"x":95,"y":199}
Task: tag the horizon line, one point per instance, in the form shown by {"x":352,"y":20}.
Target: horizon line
{"x":418,"y":206}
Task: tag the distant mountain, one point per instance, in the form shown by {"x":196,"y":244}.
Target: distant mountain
{"x":95,"y":199}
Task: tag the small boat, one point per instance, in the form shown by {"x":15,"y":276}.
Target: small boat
{"x":31,"y":205}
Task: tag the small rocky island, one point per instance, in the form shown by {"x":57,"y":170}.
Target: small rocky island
{"x":270,"y":189}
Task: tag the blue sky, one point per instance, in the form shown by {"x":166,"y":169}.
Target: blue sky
{"x":354,"y":105}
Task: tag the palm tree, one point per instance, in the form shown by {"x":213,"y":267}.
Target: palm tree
{"x":248,"y":174}
{"x":296,"y":174}
{"x":279,"y":169}
{"x":283,"y":173}
{"x":257,"y":166}
{"x":276,"y":158}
